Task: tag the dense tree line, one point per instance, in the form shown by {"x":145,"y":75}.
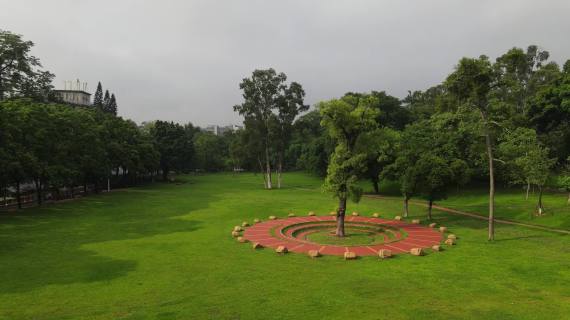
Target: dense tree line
{"x":507,"y":121}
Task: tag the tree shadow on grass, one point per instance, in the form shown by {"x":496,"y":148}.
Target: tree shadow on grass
{"x":44,"y":246}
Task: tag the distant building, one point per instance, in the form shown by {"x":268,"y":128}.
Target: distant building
{"x":76,"y":94}
{"x":219,"y":130}
{"x":78,"y":97}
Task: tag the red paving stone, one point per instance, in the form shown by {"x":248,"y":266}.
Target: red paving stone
{"x":271,"y":234}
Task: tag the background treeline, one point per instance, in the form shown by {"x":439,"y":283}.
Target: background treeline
{"x":503,"y":123}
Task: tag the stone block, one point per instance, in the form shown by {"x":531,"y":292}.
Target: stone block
{"x":238,"y":228}
{"x":436,"y":248}
{"x":398,"y":218}
{"x":384,"y":253}
{"x":272,"y":217}
{"x":332,"y":213}
{"x":245,"y":224}
{"x":242,"y":239}
{"x":376,"y":215}
{"x":355,"y":214}
{"x":235,"y":234}
{"x":256,"y":220}
{"x":416,"y":251}
{"x":432,"y":225}
{"x":442,"y":229}
{"x":314,"y":253}
{"x":450,"y":242}
{"x":291,"y":214}
{"x":349,"y":255}
{"x":256,"y":245}
{"x":452,"y":236}
{"x":416,"y":221}
{"x":281,"y":249}
{"x":311,"y":213}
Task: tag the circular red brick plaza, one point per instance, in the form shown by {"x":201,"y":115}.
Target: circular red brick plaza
{"x":294,"y":232}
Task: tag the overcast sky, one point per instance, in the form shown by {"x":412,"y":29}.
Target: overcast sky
{"x":183,"y":60}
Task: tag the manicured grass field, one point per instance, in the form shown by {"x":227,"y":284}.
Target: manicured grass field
{"x":510,"y":204}
{"x":165,"y":252}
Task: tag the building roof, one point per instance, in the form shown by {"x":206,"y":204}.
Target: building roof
{"x":81,"y":91}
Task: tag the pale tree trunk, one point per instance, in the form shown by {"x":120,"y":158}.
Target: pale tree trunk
{"x":491,"y":178}
{"x":568,"y":198}
{"x":38,"y":183}
{"x":340,"y":217}
{"x":18,"y":195}
{"x":429,"y":208}
{"x":262,"y":173}
{"x":279,"y":171}
{"x":527,"y":189}
{"x":108,"y":184}
{"x":268,"y":168}
{"x":406,"y":211}
{"x":540,"y":207}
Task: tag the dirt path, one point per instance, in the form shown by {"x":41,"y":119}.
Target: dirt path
{"x":476,"y":216}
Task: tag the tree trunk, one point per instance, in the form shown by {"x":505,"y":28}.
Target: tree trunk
{"x":568,"y":198}
{"x":164,"y":174}
{"x":527,"y":189}
{"x":340,"y":217}
{"x":108,"y":184}
{"x":406,"y":211}
{"x":268,"y":168}
{"x":376,"y":186}
{"x":38,"y":183}
{"x":279,"y":170}
{"x":262,"y":173}
{"x":18,"y":195}
{"x":429,"y":208}
{"x":491,"y":178}
{"x":540,"y":207}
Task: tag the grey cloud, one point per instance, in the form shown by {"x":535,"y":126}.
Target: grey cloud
{"x":183,"y":60}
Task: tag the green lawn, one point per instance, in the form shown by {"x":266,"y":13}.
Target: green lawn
{"x":510,"y":204}
{"x":165,"y":252}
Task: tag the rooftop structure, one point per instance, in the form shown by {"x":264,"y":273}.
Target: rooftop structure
{"x":219,"y":130}
{"x":75,"y":93}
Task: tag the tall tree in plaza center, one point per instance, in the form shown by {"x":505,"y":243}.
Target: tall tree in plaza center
{"x":346,"y":120}
{"x":269,"y":108}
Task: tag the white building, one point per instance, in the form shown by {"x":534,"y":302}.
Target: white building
{"x":78,"y":97}
{"x":75,"y":92}
{"x":219,"y":130}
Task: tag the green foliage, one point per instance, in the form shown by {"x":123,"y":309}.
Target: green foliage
{"x":58,"y":146}
{"x":430,"y":158}
{"x":20,"y":75}
{"x":525,"y":160}
{"x":174,"y":142}
{"x":269,"y":109}
{"x":98,"y":97}
{"x":211,"y":151}
{"x":346,"y":120}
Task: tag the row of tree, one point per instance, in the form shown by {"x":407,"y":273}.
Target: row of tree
{"x":55,"y":148}
{"x":105,"y":103}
